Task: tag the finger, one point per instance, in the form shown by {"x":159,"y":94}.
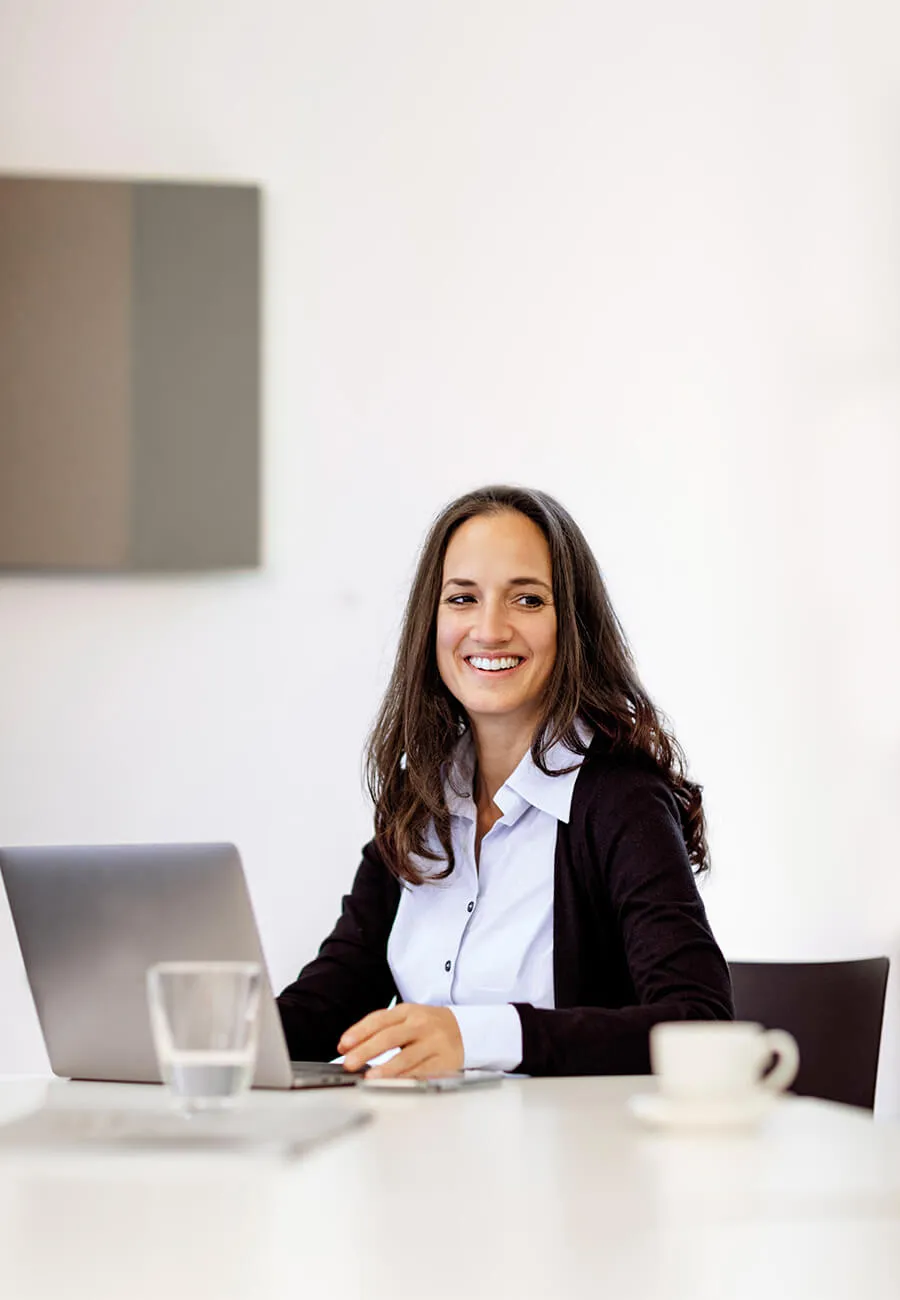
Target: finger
{"x":406,"y":1062}
{"x":393,"y":1036}
{"x":432,"y":1067}
{"x":369,"y":1024}
{"x":429,"y":1069}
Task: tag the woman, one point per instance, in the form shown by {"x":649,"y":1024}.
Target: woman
{"x":528,"y":896}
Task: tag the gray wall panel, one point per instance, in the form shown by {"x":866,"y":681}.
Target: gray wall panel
{"x":65,"y":251}
{"x":129,"y":375}
{"x":195,"y":377}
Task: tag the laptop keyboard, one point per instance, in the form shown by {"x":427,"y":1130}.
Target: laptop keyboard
{"x":321,"y":1074}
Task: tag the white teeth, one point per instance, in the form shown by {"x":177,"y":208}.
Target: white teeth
{"x":494,"y":665}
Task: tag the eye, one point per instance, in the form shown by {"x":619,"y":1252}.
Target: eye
{"x":531,"y":601}
{"x":461,"y":599}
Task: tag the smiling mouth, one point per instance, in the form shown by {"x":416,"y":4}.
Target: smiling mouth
{"x":494,"y":666}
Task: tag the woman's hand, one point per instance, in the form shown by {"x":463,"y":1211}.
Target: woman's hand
{"x":428,"y":1038}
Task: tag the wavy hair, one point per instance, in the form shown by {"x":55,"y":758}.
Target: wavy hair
{"x":593,"y":678}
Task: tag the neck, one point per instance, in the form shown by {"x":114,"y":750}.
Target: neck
{"x":500,"y":745}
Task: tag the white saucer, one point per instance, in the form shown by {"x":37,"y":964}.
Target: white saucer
{"x":663,"y":1112}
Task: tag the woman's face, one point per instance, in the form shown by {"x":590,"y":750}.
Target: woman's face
{"x":496,"y":623}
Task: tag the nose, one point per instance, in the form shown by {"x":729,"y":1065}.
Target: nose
{"x":492,"y":625}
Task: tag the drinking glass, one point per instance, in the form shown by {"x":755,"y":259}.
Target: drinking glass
{"x":205,"y":1021}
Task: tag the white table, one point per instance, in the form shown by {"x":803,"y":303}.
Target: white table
{"x":538,"y":1188}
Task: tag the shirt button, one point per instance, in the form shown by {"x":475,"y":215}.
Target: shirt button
{"x":470,"y":907}
{"x":447,"y":965}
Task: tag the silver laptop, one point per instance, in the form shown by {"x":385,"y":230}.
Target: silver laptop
{"x":91,"y":920}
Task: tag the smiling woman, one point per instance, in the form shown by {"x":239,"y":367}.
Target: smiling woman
{"x":528,"y":895}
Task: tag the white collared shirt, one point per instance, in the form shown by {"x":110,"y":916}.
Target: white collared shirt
{"x":483,"y":938}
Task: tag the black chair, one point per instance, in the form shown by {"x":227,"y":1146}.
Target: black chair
{"x":834,"y":1009}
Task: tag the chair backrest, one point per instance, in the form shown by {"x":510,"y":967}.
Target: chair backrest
{"x":834,"y":1009}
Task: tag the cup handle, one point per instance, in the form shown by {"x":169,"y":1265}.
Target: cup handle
{"x":783,"y":1046}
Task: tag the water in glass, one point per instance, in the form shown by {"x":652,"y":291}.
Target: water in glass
{"x":204,"y":1017}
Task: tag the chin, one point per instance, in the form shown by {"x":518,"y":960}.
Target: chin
{"x":496,"y":708}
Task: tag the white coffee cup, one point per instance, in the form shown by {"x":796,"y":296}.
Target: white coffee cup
{"x":721,"y":1060}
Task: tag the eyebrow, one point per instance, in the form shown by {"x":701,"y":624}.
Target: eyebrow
{"x":513,"y":582}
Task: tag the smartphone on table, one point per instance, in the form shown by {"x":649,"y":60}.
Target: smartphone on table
{"x":437,"y":1082}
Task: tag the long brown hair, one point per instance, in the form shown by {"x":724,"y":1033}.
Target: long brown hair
{"x":593,"y":678}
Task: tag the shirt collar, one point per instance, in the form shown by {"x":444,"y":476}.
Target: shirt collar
{"x":527,"y":786}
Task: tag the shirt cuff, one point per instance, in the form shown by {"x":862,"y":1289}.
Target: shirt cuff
{"x":492,"y":1036}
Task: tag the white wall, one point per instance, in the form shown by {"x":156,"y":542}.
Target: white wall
{"x":646,"y":257}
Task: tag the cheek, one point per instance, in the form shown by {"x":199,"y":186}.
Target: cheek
{"x":547,"y":649}
{"x":444,"y":642}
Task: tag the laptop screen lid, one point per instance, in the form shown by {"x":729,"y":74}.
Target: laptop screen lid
{"x":91,"y":919}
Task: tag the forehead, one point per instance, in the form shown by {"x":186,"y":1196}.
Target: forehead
{"x":507,"y":543}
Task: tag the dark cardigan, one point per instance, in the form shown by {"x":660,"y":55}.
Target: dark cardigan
{"x":631,"y":942}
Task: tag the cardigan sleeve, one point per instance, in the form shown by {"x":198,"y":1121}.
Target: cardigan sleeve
{"x":350,"y":975}
{"x":641,"y":879}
